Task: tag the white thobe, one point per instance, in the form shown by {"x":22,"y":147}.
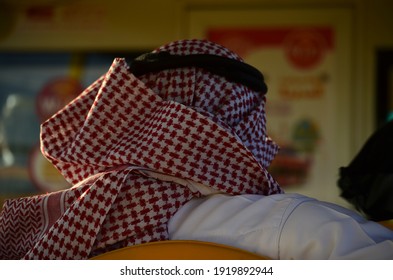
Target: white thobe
{"x":282,"y":226}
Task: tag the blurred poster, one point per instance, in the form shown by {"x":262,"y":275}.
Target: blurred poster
{"x":306,"y":55}
{"x":298,"y":65}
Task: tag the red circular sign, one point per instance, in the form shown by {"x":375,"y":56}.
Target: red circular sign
{"x":305,"y":49}
{"x":55,"y":95}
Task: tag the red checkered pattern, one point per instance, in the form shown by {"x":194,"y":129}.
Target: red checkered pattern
{"x":186,"y":123}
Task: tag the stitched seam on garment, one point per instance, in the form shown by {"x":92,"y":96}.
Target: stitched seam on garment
{"x":290,"y":208}
{"x":263,"y":229}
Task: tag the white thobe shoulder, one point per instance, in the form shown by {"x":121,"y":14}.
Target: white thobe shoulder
{"x":282,"y":226}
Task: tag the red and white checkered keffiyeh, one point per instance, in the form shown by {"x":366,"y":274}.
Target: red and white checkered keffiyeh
{"x":185,"y":125}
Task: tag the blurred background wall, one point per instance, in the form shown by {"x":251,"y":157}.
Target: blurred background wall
{"x":328,"y":64}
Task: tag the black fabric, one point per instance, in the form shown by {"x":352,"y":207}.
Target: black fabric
{"x":233,"y":70}
{"x":367,"y":182}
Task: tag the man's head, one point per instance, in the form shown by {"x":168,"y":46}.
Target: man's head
{"x":189,"y":121}
{"x":192,"y":72}
{"x":215,"y":82}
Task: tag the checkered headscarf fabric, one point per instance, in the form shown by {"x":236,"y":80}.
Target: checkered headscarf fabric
{"x":184,"y":123}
